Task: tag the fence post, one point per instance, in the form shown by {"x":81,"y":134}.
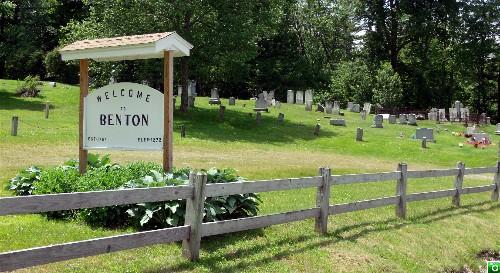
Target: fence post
{"x":401,"y":190}
{"x":15,"y":122}
{"x":322,"y":200}
{"x":194,"y":216}
{"x":459,"y":180}
{"x":47,"y":107}
{"x":494,"y":195}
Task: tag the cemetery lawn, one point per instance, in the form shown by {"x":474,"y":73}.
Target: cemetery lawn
{"x":435,"y":236}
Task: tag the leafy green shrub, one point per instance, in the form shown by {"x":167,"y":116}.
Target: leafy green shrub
{"x":23,"y":183}
{"x":29,"y":87}
{"x":102,"y":175}
{"x":388,"y":90}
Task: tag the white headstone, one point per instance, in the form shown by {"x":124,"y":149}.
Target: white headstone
{"x":328,"y":107}
{"x":290,"y":97}
{"x":367,"y":107}
{"x":309,"y":104}
{"x":412,"y":119}
{"x":299,"y":97}
{"x":308,"y":95}
{"x":336,"y":108}
{"x":261,"y":103}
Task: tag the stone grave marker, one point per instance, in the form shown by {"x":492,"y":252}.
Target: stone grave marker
{"x":258,"y":118}
{"x":356,"y":108}
{"x":336,"y":107}
{"x":320,"y":108}
{"x":309,"y":105}
{"x":281,"y":117}
{"x":428,"y":133}
{"x":260,"y":103}
{"x":277,"y":104}
{"x":403,"y":119}
{"x":308,"y":95}
{"x":433,"y":114}
{"x":482,"y":118}
{"x":363,"y":114}
{"x":359,"y":134}
{"x":488,"y":120}
{"x":482,"y":137}
{"x":191,"y":100}
{"x":442,"y":115}
{"x":52,"y":84}
{"x":349,"y":105}
{"x":290,"y":97}
{"x":412,"y":119}
{"x":392,"y":119}
{"x":232,"y":101}
{"x":214,"y":96}
{"x":497,"y":130}
{"x":367,"y":107}
{"x":424,"y":142}
{"x":299,"y":97}
{"x":337,"y":122}
{"x":316,"y":129}
{"x":464,"y":113}
{"x":328,"y":107}
{"x":377,"y":121}
{"x":471,"y":130}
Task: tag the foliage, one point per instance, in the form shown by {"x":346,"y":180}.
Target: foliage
{"x":351,"y":81}
{"x":58,"y":70}
{"x":29,"y":87}
{"x":388,"y":90}
{"x":22,"y":183}
{"x":102,"y":175}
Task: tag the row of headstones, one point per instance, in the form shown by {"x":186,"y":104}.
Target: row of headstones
{"x":424,"y":134}
{"x":378,"y":120}
{"x":299,"y":97}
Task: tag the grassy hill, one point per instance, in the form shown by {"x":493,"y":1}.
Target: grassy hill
{"x":434,"y":237}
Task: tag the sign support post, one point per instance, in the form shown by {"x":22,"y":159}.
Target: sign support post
{"x":168,"y":109}
{"x":84,"y":90}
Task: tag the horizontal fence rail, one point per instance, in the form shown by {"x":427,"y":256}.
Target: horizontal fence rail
{"x":195,"y":194}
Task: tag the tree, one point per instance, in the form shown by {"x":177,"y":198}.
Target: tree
{"x":388,"y":89}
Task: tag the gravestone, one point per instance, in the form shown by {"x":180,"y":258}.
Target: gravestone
{"x":403,"y":119}
{"x":349,"y":105}
{"x":377,"y":121}
{"x":277,"y":104}
{"x":359,"y":134}
{"x":337,"y":122}
{"x":191,"y":101}
{"x":308,"y":95}
{"x":336,"y":108}
{"x":309,"y":105}
{"x":214,"y":96}
{"x":179,"y":90}
{"x":363,"y":114}
{"x":281,"y":117}
{"x":392,"y":119}
{"x":471,"y":130}
{"x":433,"y":114}
{"x":497,"y":130}
{"x":258,"y":118}
{"x":290,"y":97}
{"x":260,"y":103}
{"x":464,"y":114}
{"x":328,"y":107}
{"x":428,"y":133}
{"x":269,"y":97}
{"x":424,"y":142}
{"x":458,"y":109}
{"x":453,"y":114}
{"x":488,"y":120}
{"x":320,"y":108}
{"x":52,"y":84}
{"x":232,"y":101}
{"x":481,"y":137}
{"x":442,"y":115}
{"x":482,"y":118}
{"x":222,"y":109}
{"x":355,"y":108}
{"x":367,"y":107}
{"x":299,"y":97}
{"x":316,"y":129}
{"x":412,"y":119}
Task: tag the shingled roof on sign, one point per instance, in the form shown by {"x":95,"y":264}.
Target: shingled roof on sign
{"x":127,"y":47}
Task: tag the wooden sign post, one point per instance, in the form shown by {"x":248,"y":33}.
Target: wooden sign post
{"x":166,"y":45}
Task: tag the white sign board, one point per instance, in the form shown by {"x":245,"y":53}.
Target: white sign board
{"x":124,"y":116}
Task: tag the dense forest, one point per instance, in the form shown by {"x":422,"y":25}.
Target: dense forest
{"x":397,"y":53}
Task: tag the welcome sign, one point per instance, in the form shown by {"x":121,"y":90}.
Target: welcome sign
{"x":126,"y":116}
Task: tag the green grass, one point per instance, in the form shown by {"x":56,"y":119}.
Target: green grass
{"x":435,"y":235}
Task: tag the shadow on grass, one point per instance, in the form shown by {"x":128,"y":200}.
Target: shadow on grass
{"x":250,"y":255}
{"x":202,"y":123}
{"x":10,"y":101}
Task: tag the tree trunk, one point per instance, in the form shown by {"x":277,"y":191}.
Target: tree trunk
{"x":393,"y":34}
{"x":498,"y":93}
{"x":184,"y":83}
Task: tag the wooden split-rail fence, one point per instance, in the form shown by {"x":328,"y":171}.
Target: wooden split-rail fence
{"x":197,"y":190}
